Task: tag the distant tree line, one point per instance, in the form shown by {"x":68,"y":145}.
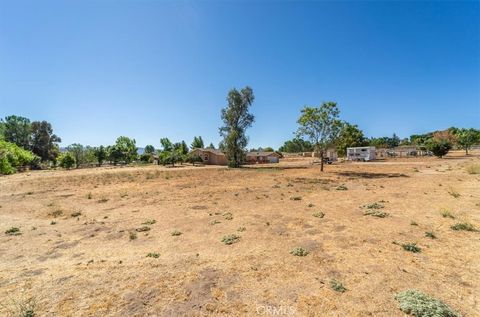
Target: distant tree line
{"x":34,"y":145}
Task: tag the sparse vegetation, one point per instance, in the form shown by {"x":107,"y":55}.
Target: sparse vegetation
{"x":153,"y":255}
{"x":376,"y":213}
{"x":419,"y":304}
{"x":228,"y":216}
{"x":76,"y":214}
{"x":102,"y":200}
{"x":241,"y":229}
{"x":447,"y":214}
{"x":230,"y":239}
{"x":132,"y":235}
{"x":143,"y":229}
{"x":411,"y":247}
{"x":13,"y":231}
{"x":341,"y":187}
{"x":337,"y":286}
{"x":319,"y":214}
{"x":465,"y":226}
{"x":430,"y":234}
{"x":473,"y":169}
{"x":214,"y":222}
{"x":374,"y":206}
{"x":175,"y":233}
{"x":299,"y":251}
{"x":454,"y":193}
{"x":296,"y":198}
{"x":413,"y":223}
{"x":149,"y":222}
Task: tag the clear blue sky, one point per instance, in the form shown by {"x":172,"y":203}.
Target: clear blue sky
{"x":151,"y":69}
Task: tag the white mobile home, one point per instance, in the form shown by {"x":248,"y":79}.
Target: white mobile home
{"x":361,"y":153}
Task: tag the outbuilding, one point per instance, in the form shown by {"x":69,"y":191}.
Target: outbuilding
{"x":361,"y":153}
{"x":263,"y":157}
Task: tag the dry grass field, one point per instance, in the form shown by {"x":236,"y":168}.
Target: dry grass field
{"x":147,"y":241}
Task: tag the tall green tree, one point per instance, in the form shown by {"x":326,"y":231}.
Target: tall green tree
{"x":350,"y":135}
{"x":466,"y":138}
{"x":78,"y":152}
{"x":167,"y":145}
{"x":211,"y":146}
{"x":44,"y":142}
{"x":439,"y":147}
{"x":236,"y":119}
{"x":17,"y":130}
{"x":13,"y":157}
{"x":296,"y":145}
{"x":127,"y":148}
{"x":2,"y":130}
{"x":321,"y":126}
{"x":197,"y":143}
{"x":149,"y":149}
{"x":100,"y":154}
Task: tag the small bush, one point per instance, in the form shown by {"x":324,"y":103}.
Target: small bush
{"x":214,"y":222}
{"x":337,"y":286}
{"x":76,"y":214}
{"x":454,"y":193}
{"x":153,"y":255}
{"x":175,"y":233}
{"x":412,"y":247}
{"x":319,"y":214}
{"x":142,"y":229}
{"x":374,"y":206}
{"x":341,"y":187}
{"x":430,"y":234}
{"x":13,"y":231}
{"x":299,"y":251}
{"x":133,"y":236}
{"x":419,"y":304}
{"x":241,"y":229}
{"x":463,"y":226}
{"x":413,"y":223}
{"x":228,"y":216}
{"x":102,"y":200}
{"x":473,"y":169}
{"x":230,"y":239}
{"x":89,"y":196}
{"x":149,"y":222}
{"x":447,"y":214}
{"x":296,"y":198}
{"x":57,"y":213}
{"x":375,"y":213}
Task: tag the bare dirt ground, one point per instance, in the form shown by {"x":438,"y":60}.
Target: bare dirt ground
{"x":80,"y":254}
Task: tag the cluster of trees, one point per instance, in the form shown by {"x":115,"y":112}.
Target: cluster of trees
{"x":26,"y":143}
{"x":349,"y":135}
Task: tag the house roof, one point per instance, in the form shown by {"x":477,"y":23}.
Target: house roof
{"x":262,"y":153}
{"x":213,"y":151}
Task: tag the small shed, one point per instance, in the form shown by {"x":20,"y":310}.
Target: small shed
{"x":361,"y":153}
{"x":263,"y":157}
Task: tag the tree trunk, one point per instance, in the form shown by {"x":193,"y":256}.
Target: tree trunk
{"x":321,"y":160}
{"x":466,"y":150}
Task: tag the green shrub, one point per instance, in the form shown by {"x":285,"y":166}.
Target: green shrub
{"x":230,"y":239}
{"x":430,"y":234}
{"x":374,"y":206}
{"x":299,"y":251}
{"x":175,"y":233}
{"x":13,"y":231}
{"x":419,"y":304}
{"x":153,"y":255}
{"x":447,"y":214}
{"x":375,"y":213}
{"x":412,"y":247}
{"x":13,"y":157}
{"x":463,"y":226}
{"x":228,"y":216}
{"x":66,"y":160}
{"x":337,"y":286}
{"x":149,"y":222}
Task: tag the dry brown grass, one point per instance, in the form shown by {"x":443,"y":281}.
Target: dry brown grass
{"x":95,"y":264}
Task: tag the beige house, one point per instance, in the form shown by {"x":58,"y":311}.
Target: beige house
{"x":262,"y":157}
{"x":211,"y":156}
